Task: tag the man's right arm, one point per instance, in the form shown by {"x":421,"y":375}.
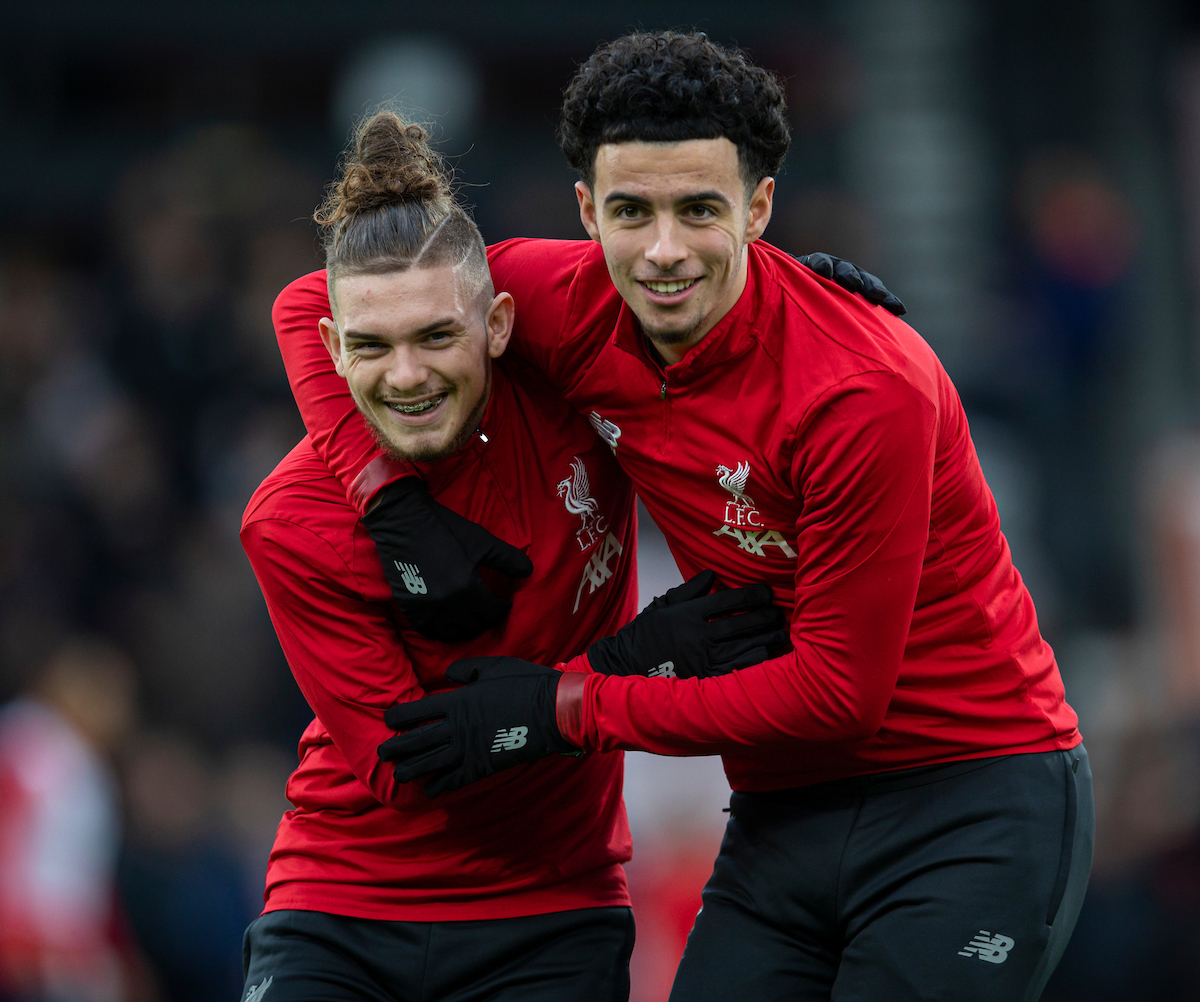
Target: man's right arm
{"x":342,"y":650}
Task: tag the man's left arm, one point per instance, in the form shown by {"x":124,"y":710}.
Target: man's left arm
{"x":864,"y":468}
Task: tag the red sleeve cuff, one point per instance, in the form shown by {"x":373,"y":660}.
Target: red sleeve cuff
{"x":568,"y":707}
{"x":376,"y":475}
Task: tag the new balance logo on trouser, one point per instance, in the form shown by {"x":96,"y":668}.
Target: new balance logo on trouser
{"x":956,"y":882}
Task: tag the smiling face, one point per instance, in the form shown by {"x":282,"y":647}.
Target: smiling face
{"x":674,"y":220}
{"x":416,"y":350}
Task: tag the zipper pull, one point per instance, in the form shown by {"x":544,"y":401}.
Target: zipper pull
{"x":664,"y":390}
{"x":482,"y":437}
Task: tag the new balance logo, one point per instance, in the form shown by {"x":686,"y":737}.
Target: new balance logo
{"x":985,"y":946}
{"x":664,"y":670}
{"x":609,"y":433}
{"x":510,"y":739}
{"x":256,"y":994}
{"x":410,"y":574}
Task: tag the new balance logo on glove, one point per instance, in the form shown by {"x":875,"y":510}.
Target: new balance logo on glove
{"x":985,"y":946}
{"x":666,"y":670}
{"x":510,"y":738}
{"x":410,"y":574}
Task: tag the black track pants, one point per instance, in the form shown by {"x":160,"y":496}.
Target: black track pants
{"x":954,"y":882}
{"x":315,"y":957}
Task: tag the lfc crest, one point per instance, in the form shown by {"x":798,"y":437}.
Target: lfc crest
{"x":743,"y":520}
{"x":576,"y":493}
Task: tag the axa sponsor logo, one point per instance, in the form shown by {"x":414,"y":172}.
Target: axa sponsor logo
{"x":576,"y":493}
{"x":609,"y":433}
{"x":743,"y":521}
{"x":599,"y":568}
{"x":510,"y":739}
{"x":989,"y":948}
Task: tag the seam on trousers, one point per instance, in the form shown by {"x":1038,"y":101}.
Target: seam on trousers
{"x":1068,"y":840}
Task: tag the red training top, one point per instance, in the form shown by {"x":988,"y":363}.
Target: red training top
{"x":813,"y":441}
{"x":360,"y":844}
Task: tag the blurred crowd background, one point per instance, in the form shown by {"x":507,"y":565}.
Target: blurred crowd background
{"x":1025,"y":175}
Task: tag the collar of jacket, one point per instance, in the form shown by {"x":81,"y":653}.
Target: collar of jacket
{"x":734,"y":334}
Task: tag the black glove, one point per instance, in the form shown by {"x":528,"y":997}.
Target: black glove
{"x":431,"y":558}
{"x":853,"y":279}
{"x":504,"y":717}
{"x":678,"y":634}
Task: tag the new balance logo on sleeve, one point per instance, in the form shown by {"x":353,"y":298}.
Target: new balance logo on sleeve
{"x":664,"y":670}
{"x":510,"y":739}
{"x":410,"y":574}
{"x":985,"y":946}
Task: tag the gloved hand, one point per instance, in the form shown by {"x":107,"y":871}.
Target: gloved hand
{"x":853,"y":279}
{"x":678,"y":633}
{"x":431,"y":558}
{"x":503,"y":715}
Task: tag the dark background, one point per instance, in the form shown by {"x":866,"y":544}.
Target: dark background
{"x":1024,"y":175}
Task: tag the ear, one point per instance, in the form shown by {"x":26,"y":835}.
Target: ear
{"x":587,"y":210}
{"x":333,"y":343}
{"x":499,"y":322}
{"x":761,"y":200}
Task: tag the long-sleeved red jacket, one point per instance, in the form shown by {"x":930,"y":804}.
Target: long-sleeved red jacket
{"x":811,"y":440}
{"x":544,"y":837}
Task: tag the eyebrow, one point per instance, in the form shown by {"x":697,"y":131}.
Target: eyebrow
{"x":427,"y":329}
{"x":702,"y":196}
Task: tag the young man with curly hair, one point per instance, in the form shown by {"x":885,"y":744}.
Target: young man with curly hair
{"x":912,"y":812}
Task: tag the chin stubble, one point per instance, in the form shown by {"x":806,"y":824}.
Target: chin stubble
{"x":430,"y":454}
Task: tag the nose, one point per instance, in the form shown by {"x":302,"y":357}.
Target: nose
{"x":407,"y":371}
{"x":667,"y":250}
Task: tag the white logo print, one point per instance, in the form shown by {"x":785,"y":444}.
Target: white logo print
{"x":255,"y":994}
{"x":985,"y":946}
{"x":596,"y":571}
{"x":510,"y":739}
{"x":609,"y":433}
{"x":734,"y":481}
{"x":576,"y":493}
{"x":410,"y":574}
{"x":665,"y":670}
{"x":743,"y":520}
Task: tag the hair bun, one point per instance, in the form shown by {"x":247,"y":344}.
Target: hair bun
{"x":391,"y":163}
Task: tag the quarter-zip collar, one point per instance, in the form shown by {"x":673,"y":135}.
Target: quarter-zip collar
{"x":733,"y":335}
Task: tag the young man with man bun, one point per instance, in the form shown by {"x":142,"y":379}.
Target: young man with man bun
{"x":511,"y":887}
{"x":912,"y":812}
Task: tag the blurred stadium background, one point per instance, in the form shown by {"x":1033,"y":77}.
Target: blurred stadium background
{"x":1024,"y":174}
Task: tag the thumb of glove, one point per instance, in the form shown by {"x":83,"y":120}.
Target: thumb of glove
{"x":486,"y":549}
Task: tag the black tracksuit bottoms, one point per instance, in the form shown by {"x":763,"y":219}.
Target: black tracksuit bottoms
{"x":301,"y":956}
{"x":952,"y":882}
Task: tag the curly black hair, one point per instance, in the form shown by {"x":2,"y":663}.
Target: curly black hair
{"x":671,"y":86}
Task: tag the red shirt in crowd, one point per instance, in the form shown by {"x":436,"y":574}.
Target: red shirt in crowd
{"x":810,"y":440}
{"x":357,"y":842}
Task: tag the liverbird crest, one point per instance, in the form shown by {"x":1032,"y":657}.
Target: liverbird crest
{"x":576,"y":493}
{"x":734,"y":481}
